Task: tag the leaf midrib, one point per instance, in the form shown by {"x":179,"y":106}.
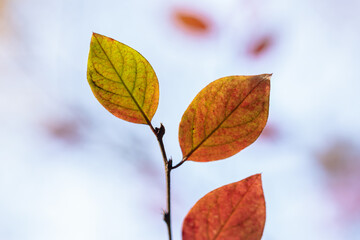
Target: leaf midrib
{"x":233,"y":211}
{"x":122,"y":81}
{"x":219,"y":125}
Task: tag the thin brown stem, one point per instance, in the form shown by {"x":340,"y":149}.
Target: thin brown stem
{"x":167,"y":214}
{"x":180,"y":163}
{"x":159,"y":133}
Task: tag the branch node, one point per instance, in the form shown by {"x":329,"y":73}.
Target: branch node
{"x":166,"y":217}
{"x":169,"y":163}
{"x":160,"y":131}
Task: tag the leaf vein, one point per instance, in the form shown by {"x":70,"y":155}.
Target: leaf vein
{"x":99,"y":87}
{"x":133,"y":109}
{"x":111,"y":102}
{"x":146,"y":84}
{"x":102,"y":75}
{"x":209,"y":105}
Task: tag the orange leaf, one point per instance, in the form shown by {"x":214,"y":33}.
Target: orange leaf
{"x":191,"y":21}
{"x":225,"y":117}
{"x":234,"y":211}
{"x":122,"y":80}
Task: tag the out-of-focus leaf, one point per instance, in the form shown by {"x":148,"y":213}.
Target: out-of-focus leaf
{"x":270,"y":133}
{"x":122,"y":80}
{"x":340,"y":159}
{"x":66,"y":130}
{"x":340,"y":162}
{"x":234,"y":211}
{"x":225,"y":117}
{"x":191,"y":21}
{"x":260,"y":45}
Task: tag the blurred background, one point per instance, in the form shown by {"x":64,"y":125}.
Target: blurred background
{"x":71,"y":170}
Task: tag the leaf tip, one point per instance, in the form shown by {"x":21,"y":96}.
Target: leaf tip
{"x":94,"y":34}
{"x":267,"y":76}
{"x":258,"y":176}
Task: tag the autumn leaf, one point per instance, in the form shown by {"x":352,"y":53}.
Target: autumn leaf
{"x":191,"y":21}
{"x":233,"y":212}
{"x":261,"y":45}
{"x":225,"y":117}
{"x":122,"y":80}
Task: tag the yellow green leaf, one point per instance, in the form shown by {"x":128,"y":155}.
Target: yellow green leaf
{"x":225,"y":117}
{"x":122,"y":80}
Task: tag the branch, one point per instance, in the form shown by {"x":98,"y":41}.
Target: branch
{"x":159,"y":133}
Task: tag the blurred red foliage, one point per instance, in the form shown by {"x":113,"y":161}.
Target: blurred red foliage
{"x":270,"y":133}
{"x":68,"y":127}
{"x":191,"y":21}
{"x":260,"y":45}
{"x":65,"y":130}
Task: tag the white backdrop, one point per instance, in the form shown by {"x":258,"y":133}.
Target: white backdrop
{"x":70,"y":170}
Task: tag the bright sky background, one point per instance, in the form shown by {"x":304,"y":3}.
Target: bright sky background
{"x":70,"y":170}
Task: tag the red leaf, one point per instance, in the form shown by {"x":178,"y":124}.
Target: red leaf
{"x":260,"y":45}
{"x":234,"y":211}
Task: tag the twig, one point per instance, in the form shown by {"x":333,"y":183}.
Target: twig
{"x":159,"y":133}
{"x":180,"y":163}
